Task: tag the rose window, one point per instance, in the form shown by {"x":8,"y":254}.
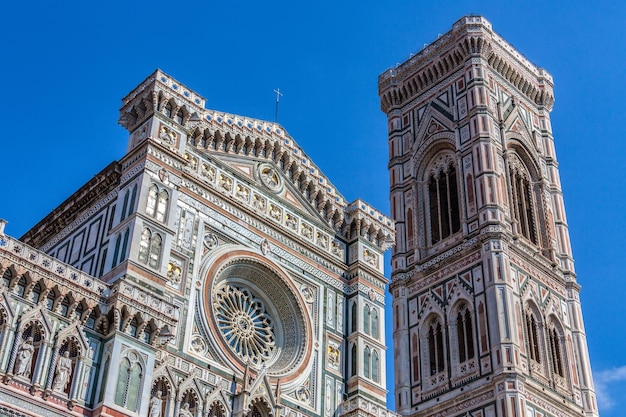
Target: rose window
{"x":244,"y":323}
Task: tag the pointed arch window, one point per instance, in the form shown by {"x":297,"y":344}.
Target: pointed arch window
{"x":435,"y":347}
{"x":353,"y":317}
{"x":128,"y":384}
{"x":375,"y":367}
{"x":367,"y":358}
{"x":156,"y":205}
{"x":532,"y":336}
{"x":150,"y":248}
{"x":35,"y":293}
{"x":353,"y":360}
{"x":522,"y":199}
{"x":375,"y":323}
{"x":555,"y":352}
{"x":155,"y":250}
{"x":465,"y":334}
{"x":168,"y":110}
{"x":6,"y":278}
{"x":443,"y":200}
{"x":179,"y":117}
{"x":366,"y":319}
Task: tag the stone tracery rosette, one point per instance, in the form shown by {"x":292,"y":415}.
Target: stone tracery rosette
{"x":257,"y":316}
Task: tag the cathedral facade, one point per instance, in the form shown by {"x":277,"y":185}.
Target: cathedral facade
{"x":486,"y":311}
{"x":213,"y":271}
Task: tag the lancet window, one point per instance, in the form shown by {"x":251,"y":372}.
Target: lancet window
{"x":465,"y":334}
{"x":555,"y":351}
{"x":436,"y":354}
{"x":443,"y":199}
{"x":522,"y":199}
{"x":150,"y":248}
{"x":532,"y":336}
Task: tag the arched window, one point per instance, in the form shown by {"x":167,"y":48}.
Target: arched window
{"x":555,"y":352}
{"x":35,"y":293}
{"x":162,"y":205}
{"x":124,"y":205}
{"x":153,"y":191}
{"x":116,"y":251}
{"x":353,"y":318}
{"x":375,"y":367}
{"x":367,"y":359}
{"x":146,"y":336}
{"x":374,"y":323}
{"x":144,"y":246}
{"x":523,"y":205}
{"x":156,"y":205}
{"x":465,"y":334}
{"x":366,"y":319}
{"x":132,"y":327}
{"x":65,"y":305}
{"x":155,"y":251}
{"x":168,"y":110}
{"x":415,"y":357}
{"x":20,"y":287}
{"x":179,"y":117}
{"x":443,"y":200}
{"x":532,"y":337}
{"x":50,"y":300}
{"x":435,"y":347}
{"x":129,"y":384}
{"x":6,"y":278}
{"x":353,"y":360}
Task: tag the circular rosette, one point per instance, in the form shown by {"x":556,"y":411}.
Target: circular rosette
{"x":256,"y":316}
{"x":245,"y":324}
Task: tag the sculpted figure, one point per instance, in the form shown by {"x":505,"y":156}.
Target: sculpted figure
{"x":155,"y":405}
{"x":24,"y":358}
{"x":62,"y":373}
{"x":184,"y":411}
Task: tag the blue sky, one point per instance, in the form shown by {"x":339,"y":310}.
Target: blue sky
{"x":66,"y":66}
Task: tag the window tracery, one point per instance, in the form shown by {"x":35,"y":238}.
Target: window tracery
{"x":532,"y":326}
{"x":444,"y":215}
{"x":436,"y":347}
{"x":150,"y":248}
{"x":465,"y":334}
{"x":129,"y":381}
{"x":156,"y":205}
{"x":556,"y":355}
{"x":523,"y":206}
{"x":245,"y":324}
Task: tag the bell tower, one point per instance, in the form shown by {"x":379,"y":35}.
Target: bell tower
{"x":487,"y":316}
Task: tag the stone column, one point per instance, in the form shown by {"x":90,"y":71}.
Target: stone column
{"x":75,"y":378}
{"x":55,"y":355}
{"x":16,"y":342}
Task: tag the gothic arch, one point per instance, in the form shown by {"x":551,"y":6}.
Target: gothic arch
{"x":434,"y":349}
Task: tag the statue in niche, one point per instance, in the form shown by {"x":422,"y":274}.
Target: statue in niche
{"x":63,"y":372}
{"x":24,"y":358}
{"x":184,"y":411}
{"x":155,"y":405}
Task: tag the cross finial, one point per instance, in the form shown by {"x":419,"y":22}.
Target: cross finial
{"x":278,"y":96}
